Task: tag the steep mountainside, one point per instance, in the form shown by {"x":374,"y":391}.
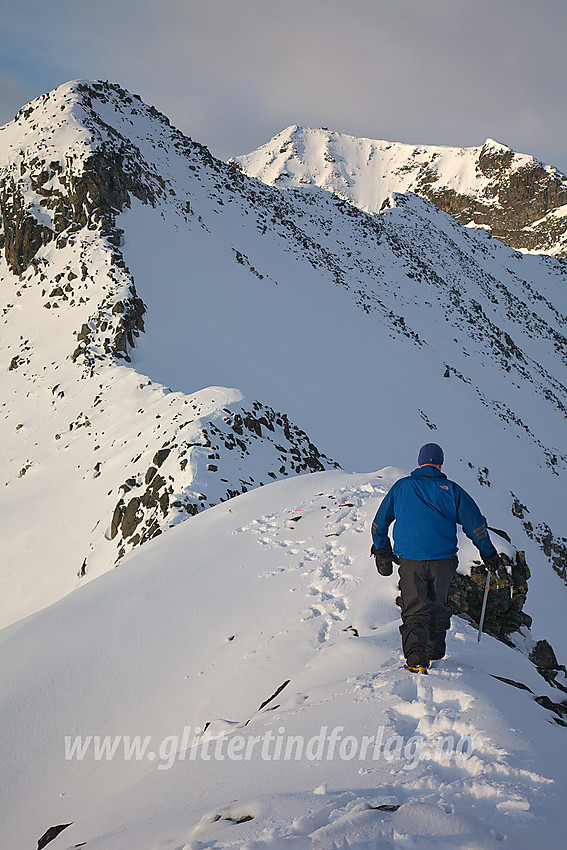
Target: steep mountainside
{"x":374,"y":333}
{"x":98,"y":458}
{"x":140,"y":279}
{"x":511,"y":195}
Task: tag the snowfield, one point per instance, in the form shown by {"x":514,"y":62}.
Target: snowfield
{"x":200,"y":628}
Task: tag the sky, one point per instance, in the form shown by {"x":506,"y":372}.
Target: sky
{"x":233,"y":73}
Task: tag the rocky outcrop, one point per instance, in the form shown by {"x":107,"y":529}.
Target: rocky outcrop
{"x":50,"y":834}
{"x":43,"y":201}
{"x":517,"y":205}
{"x":184,"y":477}
{"x":507,"y":595}
{"x":90,"y":197}
{"x":112,"y":330}
{"x":23,"y":235}
{"x":505,"y":615}
{"x":544,"y":658}
{"x":553,"y":547}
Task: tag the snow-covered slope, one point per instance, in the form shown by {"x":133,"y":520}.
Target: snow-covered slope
{"x":511,"y":195}
{"x":269,"y":595}
{"x":374,"y":333}
{"x":141,"y":278}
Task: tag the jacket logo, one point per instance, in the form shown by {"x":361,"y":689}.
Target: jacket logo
{"x":443,"y":486}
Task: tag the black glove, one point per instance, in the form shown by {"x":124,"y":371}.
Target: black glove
{"x":384,"y":559}
{"x":492,"y":562}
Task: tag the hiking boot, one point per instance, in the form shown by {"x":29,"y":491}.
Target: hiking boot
{"x":417,"y":662}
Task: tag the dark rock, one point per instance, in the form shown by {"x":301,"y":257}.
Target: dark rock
{"x":519,"y":685}
{"x":50,"y":834}
{"x":150,"y":474}
{"x":558,"y":708}
{"x":84,"y":333}
{"x":504,"y":610}
{"x":116,"y":519}
{"x":23,"y":235}
{"x":161,"y":456}
{"x":150,"y":496}
{"x":506,"y":597}
{"x":130,"y":520}
{"x":514,"y":204}
{"x":385,"y":807}
{"x":493,"y":161}
{"x":274,"y":695}
{"x":543,"y":656}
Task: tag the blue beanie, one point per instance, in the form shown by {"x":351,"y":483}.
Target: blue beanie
{"x":430,"y":453}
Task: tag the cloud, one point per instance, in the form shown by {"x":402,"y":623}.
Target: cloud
{"x":231,"y":74}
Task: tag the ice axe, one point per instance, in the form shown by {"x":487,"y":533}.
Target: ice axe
{"x":484,"y":601}
{"x":487,"y":585}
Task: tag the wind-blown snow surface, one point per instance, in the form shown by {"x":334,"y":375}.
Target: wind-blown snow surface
{"x":202,"y":626}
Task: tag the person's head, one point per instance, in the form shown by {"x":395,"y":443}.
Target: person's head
{"x":431,"y":455}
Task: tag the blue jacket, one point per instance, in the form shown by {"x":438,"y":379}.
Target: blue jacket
{"x":427,"y":507}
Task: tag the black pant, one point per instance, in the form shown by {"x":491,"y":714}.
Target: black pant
{"x":425,"y":616}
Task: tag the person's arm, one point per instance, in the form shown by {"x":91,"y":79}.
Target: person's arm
{"x":474,"y":524}
{"x":382,"y":521}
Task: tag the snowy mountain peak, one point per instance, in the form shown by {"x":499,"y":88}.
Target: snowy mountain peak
{"x":494,"y":145}
{"x":79,"y":112}
{"x":125,"y":457}
{"x":141,"y":278}
{"x":512,"y":195}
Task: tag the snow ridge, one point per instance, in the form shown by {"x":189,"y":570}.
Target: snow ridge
{"x":260,"y":620}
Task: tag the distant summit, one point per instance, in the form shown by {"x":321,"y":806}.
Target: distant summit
{"x":513,"y":196}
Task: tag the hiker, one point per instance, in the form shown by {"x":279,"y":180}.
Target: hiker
{"x":427,"y":506}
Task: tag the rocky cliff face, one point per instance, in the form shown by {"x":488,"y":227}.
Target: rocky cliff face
{"x":524,"y":204}
{"x":511,"y":195}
